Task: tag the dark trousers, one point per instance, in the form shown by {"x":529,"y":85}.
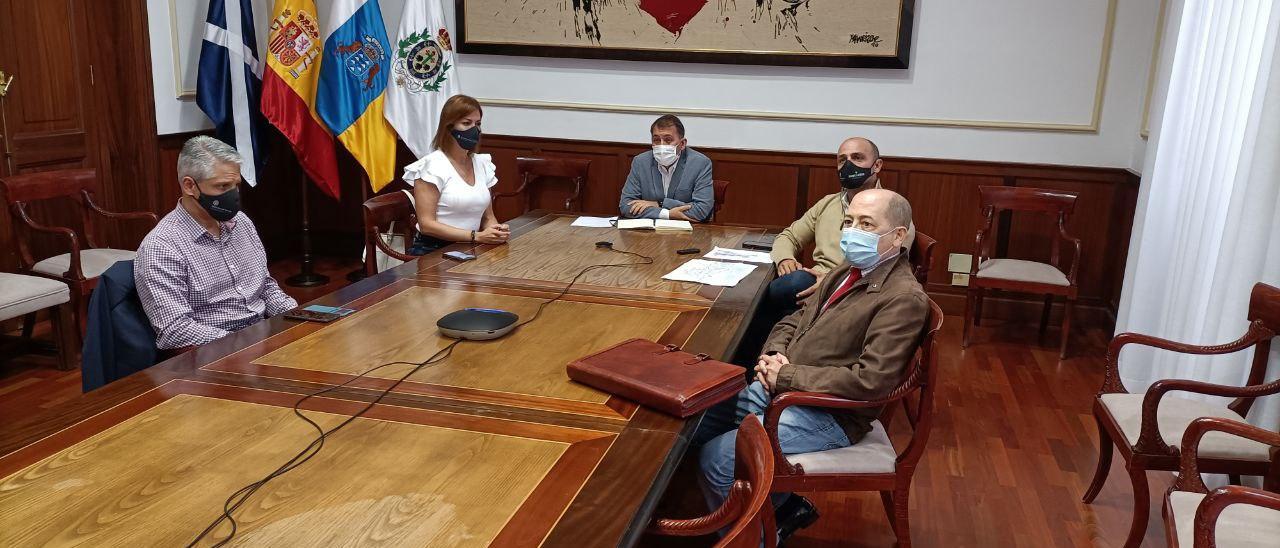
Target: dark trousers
{"x":423,"y":244}
{"x":779,"y":301}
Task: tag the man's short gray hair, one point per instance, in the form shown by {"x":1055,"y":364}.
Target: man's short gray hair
{"x":898,"y":210}
{"x":200,"y":154}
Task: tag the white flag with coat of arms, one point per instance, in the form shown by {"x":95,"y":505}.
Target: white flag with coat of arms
{"x":424,"y":74}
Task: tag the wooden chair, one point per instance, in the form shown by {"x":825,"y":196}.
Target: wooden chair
{"x":85,"y":260}
{"x":379,"y":213}
{"x":1232,"y":516}
{"x":24,"y":296}
{"x":533,"y":169}
{"x":1049,"y":279}
{"x":872,"y":464}
{"x":921,"y":257}
{"x":1148,"y":427}
{"x":720,"y":190}
{"x":747,"y":511}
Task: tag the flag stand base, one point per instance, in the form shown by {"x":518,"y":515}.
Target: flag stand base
{"x":307,"y":277}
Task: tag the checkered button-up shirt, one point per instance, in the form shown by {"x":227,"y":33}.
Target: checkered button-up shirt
{"x":197,"y":288}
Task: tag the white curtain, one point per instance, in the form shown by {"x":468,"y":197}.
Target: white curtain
{"x":1207,"y":226}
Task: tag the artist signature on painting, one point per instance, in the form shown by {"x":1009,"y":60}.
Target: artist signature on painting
{"x":865,"y":38}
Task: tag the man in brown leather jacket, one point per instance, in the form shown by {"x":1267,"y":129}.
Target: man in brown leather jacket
{"x":853,"y":337}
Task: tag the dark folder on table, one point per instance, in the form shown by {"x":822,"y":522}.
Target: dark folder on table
{"x":659,"y":376}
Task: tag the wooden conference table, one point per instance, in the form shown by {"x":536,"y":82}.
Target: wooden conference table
{"x":493,"y":446}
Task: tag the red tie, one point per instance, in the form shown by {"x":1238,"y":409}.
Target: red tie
{"x":852,"y":278}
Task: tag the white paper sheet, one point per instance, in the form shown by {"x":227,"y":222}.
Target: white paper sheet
{"x":594,"y":222}
{"x":710,"y":273}
{"x":744,"y":255}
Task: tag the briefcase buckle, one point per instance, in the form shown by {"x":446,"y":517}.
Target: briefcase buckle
{"x":667,"y":349}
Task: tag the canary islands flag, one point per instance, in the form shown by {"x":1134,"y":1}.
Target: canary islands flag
{"x":353,"y":77}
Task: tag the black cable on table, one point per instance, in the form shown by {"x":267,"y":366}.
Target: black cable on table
{"x":238,"y":498}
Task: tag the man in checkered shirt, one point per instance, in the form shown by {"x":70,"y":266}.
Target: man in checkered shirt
{"x":202,"y":272}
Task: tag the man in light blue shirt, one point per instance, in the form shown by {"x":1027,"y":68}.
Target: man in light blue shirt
{"x":672,"y":181}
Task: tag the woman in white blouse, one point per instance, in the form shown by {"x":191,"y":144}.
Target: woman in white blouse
{"x":451,"y":185}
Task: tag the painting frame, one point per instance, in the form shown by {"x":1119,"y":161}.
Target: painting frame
{"x":899,"y":59}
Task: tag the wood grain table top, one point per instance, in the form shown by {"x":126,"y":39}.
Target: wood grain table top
{"x":492,"y":446}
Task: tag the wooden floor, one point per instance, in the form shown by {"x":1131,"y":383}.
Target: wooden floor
{"x":1012,"y":449}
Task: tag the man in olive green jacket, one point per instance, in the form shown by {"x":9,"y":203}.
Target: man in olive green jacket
{"x":853,"y":337}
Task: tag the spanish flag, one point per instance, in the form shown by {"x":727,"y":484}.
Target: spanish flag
{"x":289,"y":90}
{"x":353,"y":76}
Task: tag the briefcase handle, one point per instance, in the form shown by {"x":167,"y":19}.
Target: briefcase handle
{"x":667,"y":349}
{"x":697,"y":359}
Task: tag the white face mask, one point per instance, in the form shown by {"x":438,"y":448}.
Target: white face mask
{"x":665,"y":154}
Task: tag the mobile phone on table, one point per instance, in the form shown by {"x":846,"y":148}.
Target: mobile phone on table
{"x":459,"y":255}
{"x":318,"y":313}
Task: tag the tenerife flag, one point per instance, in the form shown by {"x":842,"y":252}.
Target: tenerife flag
{"x":425,"y":74}
{"x":353,"y":77}
{"x":230,"y":80}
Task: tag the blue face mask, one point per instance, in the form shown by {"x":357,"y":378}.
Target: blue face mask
{"x":861,"y":248}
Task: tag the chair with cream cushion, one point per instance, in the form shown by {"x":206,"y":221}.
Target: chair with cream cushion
{"x":1026,"y":276}
{"x":1148,"y":427}
{"x":872,"y":464}
{"x":85,"y":259}
{"x":25,"y":295}
{"x":1232,"y":516}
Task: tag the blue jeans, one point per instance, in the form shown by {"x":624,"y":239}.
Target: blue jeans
{"x":800,"y":430}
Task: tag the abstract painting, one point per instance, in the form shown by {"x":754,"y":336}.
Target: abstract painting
{"x":844,"y":33}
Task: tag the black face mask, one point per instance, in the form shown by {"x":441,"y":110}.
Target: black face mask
{"x":467,"y":139}
{"x":853,"y":175}
{"x":222,"y":207}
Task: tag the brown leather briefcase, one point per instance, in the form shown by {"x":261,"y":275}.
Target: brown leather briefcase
{"x":660,"y":376}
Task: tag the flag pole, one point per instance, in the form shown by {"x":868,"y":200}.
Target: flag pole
{"x":358,"y":274}
{"x":307,"y":277}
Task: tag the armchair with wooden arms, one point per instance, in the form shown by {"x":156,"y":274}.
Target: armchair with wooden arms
{"x":747,"y":511}
{"x":872,"y":464}
{"x":1025,"y":276}
{"x":1148,"y":427}
{"x":532,"y":169}
{"x":85,"y":258}
{"x":1231,"y":516}
{"x":720,"y":190}
{"x":921,"y":256}
{"x":379,"y":214}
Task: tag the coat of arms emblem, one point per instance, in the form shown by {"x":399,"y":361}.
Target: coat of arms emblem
{"x":420,"y":64}
{"x":363,"y":59}
{"x":294,"y":38}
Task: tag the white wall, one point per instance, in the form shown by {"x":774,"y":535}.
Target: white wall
{"x":1003,"y":61}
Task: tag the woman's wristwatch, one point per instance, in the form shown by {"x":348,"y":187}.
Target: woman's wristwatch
{"x":473,"y":236}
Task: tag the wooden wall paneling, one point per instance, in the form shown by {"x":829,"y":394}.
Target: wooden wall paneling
{"x":1122,"y":212}
{"x":945,"y":206}
{"x":823,"y":180}
{"x":504,"y":159}
{"x":1031,"y":235}
{"x":759,"y":193}
{"x":599,"y":196}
